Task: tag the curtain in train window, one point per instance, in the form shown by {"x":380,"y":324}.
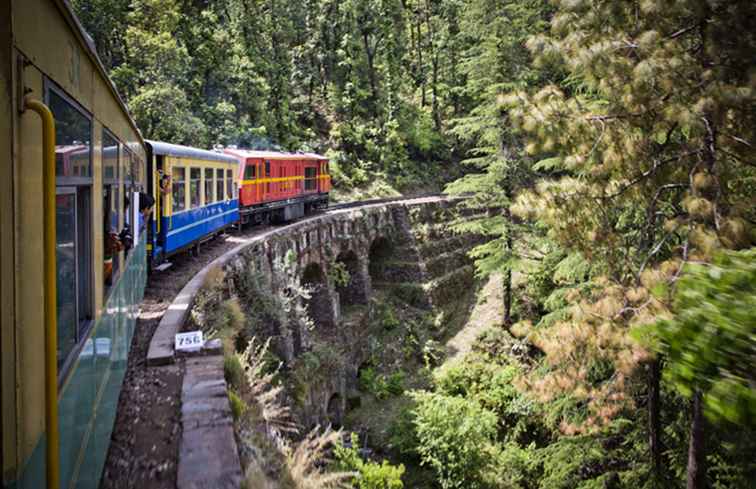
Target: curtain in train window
{"x":178,"y":195}
{"x":219,"y":184}
{"x":110,"y":208}
{"x":209,"y":186}
{"x":194,"y":187}
{"x":230,"y":190}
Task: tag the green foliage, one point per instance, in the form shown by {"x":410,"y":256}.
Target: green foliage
{"x":370,"y":475}
{"x":238,"y":406}
{"x":338,"y":274}
{"x":233,"y":371}
{"x":381,"y":385}
{"x":455,"y":438}
{"x":491,"y":386}
{"x":387,"y":317}
{"x":709,"y":343}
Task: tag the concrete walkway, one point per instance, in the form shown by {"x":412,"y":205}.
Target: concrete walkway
{"x":208,"y":457}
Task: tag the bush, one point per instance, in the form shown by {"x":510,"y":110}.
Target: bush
{"x":370,"y":475}
{"x":233,"y":370}
{"x":455,"y":438}
{"x":238,"y":406}
{"x":381,"y":386}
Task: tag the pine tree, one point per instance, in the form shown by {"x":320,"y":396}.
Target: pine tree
{"x":653,"y":132}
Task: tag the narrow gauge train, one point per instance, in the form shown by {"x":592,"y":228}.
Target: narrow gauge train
{"x":68,"y":301}
{"x":200,"y":193}
{"x":76,"y":165}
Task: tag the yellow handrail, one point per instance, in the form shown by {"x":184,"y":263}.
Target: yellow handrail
{"x":51,"y":315}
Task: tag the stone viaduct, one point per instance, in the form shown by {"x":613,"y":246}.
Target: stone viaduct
{"x":406,"y":248}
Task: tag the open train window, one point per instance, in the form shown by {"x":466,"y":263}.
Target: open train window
{"x":209,"y":185}
{"x":230,"y":191}
{"x":195,"y":174}
{"x":249,"y":172}
{"x":219,"y":184}
{"x":178,"y":193}
{"x":110,"y":210}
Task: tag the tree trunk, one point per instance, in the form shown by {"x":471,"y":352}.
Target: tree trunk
{"x":654,"y":425}
{"x":696,"y":448}
{"x":421,"y":68}
{"x":508,"y":275}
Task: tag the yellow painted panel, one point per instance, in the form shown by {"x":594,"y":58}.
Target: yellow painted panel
{"x":7,"y":316}
{"x":29,"y":277}
{"x":98,"y":250}
{"x":38,"y":25}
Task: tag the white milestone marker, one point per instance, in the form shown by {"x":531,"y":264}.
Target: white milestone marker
{"x":191,"y":341}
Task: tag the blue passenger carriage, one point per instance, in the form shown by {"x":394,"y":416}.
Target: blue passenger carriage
{"x":197,"y":196}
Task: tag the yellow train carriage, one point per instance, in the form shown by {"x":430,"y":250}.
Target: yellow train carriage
{"x":60,"y":264}
{"x":197,"y":199}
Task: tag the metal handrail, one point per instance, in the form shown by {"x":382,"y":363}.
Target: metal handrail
{"x":50,"y":304}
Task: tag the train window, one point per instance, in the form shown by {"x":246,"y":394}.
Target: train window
{"x":209,"y":186}
{"x":219,"y":184}
{"x":128,"y":171}
{"x":249,"y":172}
{"x":310,"y":183}
{"x":229,"y":184}
{"x":194,"y":187}
{"x":178,"y":195}
{"x":267,"y":175}
{"x":110,"y":209}
{"x":73,"y":133}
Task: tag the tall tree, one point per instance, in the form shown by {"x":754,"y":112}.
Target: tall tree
{"x":652,"y":131}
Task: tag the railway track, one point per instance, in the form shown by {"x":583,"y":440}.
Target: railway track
{"x":144,"y":446}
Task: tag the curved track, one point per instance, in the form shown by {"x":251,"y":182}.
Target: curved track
{"x":144,"y":446}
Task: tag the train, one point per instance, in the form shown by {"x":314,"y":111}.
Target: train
{"x":75,"y":168}
{"x":201,"y":193}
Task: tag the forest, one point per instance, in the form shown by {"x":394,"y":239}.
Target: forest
{"x":616,"y":138}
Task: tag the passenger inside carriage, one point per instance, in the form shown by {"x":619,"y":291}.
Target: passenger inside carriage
{"x":146,"y":204}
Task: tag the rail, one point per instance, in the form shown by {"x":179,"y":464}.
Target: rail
{"x":361,"y":203}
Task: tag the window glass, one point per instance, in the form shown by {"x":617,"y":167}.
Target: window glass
{"x":73,"y":132}
{"x":229,"y":184}
{"x":209,"y":186}
{"x":194,"y":187}
{"x":249,"y":172}
{"x":310,"y":179}
{"x":66,"y":274}
{"x":219,"y":184}
{"x":178,"y":179}
{"x":110,"y":209}
{"x":267,"y":168}
{"x":128,"y":171}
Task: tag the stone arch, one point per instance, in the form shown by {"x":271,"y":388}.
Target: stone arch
{"x":355,"y":290}
{"x":335,"y":410}
{"x":320,"y":304}
{"x":381,"y":251}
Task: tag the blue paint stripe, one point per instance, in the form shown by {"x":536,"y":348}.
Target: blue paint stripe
{"x":189,"y":226}
{"x":203,"y":221}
